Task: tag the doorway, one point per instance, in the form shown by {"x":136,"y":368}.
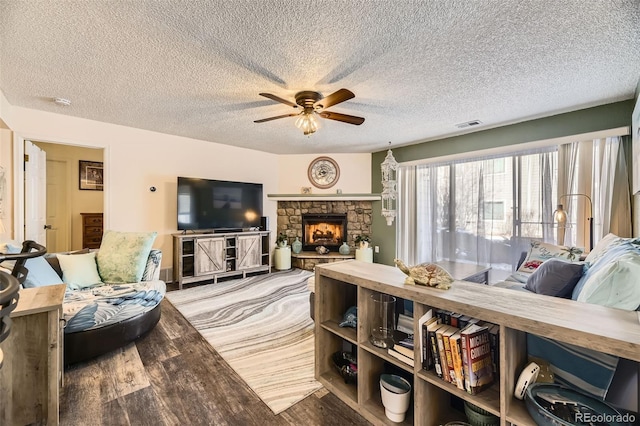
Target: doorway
{"x":65,"y":200}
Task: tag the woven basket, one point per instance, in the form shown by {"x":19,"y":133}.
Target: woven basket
{"x":479,"y":417}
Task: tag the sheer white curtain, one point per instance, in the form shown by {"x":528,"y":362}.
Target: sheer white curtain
{"x":406,"y":233}
{"x":595,"y":168}
{"x":612,"y":202}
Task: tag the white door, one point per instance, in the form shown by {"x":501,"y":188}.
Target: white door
{"x":58,"y":217}
{"x":35,"y":193}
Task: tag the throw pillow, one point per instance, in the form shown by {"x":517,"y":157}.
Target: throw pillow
{"x":555,"y":277}
{"x":123,"y":256}
{"x":617,"y":250}
{"x":540,"y":252}
{"x":40,"y":273}
{"x":602,"y":246}
{"x":52,"y":259}
{"x":615,"y":284}
{"x":10,"y":247}
{"x":79,"y":271}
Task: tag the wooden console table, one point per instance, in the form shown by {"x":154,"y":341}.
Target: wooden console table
{"x":309,"y":259}
{"x":339,"y":286}
{"x":31,"y":376}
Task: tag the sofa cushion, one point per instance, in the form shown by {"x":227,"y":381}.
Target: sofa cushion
{"x":541,"y":252}
{"x":40,"y":273}
{"x":610,"y":280}
{"x":152,"y":267}
{"x":122,"y":257}
{"x":555,"y":277}
{"x":79,"y":271}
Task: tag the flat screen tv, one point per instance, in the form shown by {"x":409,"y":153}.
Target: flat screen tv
{"x":205,"y":204}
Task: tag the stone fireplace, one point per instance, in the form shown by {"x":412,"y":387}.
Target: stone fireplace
{"x":328,"y":230}
{"x":357,"y":214}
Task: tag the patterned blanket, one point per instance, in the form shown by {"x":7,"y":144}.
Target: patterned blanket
{"x":101,"y":306}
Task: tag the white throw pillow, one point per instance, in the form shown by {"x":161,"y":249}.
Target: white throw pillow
{"x":539,"y":252}
{"x":79,"y":270}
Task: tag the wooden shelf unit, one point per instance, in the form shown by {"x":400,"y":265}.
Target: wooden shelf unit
{"x":31,"y":376}
{"x":341,"y":285}
{"x":209,"y":256}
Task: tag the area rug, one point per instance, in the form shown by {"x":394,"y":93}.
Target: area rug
{"x":261,"y":327}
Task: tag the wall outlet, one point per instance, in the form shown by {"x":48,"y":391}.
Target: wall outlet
{"x":377,"y":249}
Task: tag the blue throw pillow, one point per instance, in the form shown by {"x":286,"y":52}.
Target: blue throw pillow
{"x":40,"y":273}
{"x":555,"y":277}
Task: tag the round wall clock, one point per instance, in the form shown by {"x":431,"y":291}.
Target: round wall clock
{"x":323,"y":172}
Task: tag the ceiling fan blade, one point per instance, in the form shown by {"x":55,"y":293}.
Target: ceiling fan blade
{"x":275,"y":118}
{"x":335,"y":98}
{"x":351,"y":119}
{"x":278,"y":99}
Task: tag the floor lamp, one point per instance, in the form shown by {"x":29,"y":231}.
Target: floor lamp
{"x":560,"y":216}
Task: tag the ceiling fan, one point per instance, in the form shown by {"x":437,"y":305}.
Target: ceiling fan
{"x":312,"y":104}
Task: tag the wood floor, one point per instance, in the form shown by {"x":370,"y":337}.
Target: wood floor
{"x":173,"y":376}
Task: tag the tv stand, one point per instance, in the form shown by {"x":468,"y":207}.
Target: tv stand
{"x":209,"y":255}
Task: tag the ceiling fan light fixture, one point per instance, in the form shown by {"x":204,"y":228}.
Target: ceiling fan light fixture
{"x":307,"y":123}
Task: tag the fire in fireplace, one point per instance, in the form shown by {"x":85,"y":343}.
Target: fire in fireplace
{"x":328,"y":230}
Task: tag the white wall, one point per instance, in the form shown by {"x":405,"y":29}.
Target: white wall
{"x":6,"y":163}
{"x":136,"y":159}
{"x":355,"y":173}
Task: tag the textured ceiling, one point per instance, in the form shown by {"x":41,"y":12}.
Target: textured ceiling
{"x":417,"y":68}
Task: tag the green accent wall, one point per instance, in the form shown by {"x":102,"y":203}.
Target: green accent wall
{"x":571,"y":123}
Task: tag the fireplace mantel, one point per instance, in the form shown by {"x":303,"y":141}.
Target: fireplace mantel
{"x":324,"y":197}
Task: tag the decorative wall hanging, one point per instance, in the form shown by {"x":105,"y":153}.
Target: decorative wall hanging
{"x":91,"y":175}
{"x":389,"y":194}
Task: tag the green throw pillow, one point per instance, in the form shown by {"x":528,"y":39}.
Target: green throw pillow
{"x":123,"y":255}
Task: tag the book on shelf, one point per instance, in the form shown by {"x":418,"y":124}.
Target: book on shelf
{"x":494,"y":341}
{"x":441,"y":352}
{"x":407,"y":342}
{"x":477,"y":364}
{"x":404,"y":350}
{"x":394,"y":353}
{"x":433,"y":346}
{"x":455,"y":319}
{"x":405,"y":324}
{"x":425,"y":348}
{"x":427,"y":318}
{"x":446,"y":340}
{"x":456,"y":356}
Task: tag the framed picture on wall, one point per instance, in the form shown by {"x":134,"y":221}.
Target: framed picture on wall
{"x":91,"y":175}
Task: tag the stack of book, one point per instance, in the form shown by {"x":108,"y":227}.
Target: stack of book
{"x":462,"y":350}
{"x":403,"y":350}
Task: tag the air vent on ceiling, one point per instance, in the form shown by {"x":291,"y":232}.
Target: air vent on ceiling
{"x":468,"y":124}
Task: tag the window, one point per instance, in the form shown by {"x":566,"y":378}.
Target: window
{"x":494,"y":210}
{"x":487,"y":210}
{"x":466,"y":212}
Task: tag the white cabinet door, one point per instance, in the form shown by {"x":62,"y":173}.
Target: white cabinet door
{"x":210,"y":256}
{"x":249,"y":251}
